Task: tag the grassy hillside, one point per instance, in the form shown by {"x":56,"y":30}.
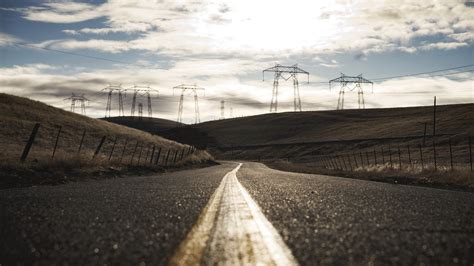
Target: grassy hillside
{"x":152,"y":125}
{"x":18,"y":116}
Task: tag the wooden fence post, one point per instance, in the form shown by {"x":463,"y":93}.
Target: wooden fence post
{"x":361,"y":159}
{"x":375,"y":157}
{"x":134,"y":151}
{"x":123,"y":151}
{"x":56,"y":143}
{"x":152,"y":154}
{"x":113,"y":148}
{"x":470,"y":152}
{"x":167,"y":156}
{"x":399,"y":158}
{"x":409,"y":155}
{"x":99,"y":147}
{"x":343,"y":161}
{"x":390,"y":156}
{"x":30,"y":142}
{"x":157,"y":160}
{"x":175,"y":157}
{"x":349,"y":160}
{"x":367,"y":156}
{"x":434,"y":154}
{"x":147,"y":154}
{"x":421,"y":158}
{"x":140,"y":154}
{"x":383,"y":156}
{"x":355,"y":160}
{"x":451,"y":154}
{"x":82,"y":141}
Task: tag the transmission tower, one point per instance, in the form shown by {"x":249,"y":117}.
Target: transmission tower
{"x":141,"y":91}
{"x":292,"y":73}
{"x":78,"y":98}
{"x":140,"y":111}
{"x":194,"y":88}
{"x":110,"y":89}
{"x":344,"y":81}
{"x":222,"y":110}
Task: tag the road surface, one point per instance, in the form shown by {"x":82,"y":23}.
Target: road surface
{"x":207,"y":214}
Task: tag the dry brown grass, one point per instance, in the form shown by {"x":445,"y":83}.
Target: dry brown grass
{"x":18,"y":116}
{"x":443,"y":177}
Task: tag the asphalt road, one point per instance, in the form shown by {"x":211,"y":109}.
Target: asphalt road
{"x":338,"y":221}
{"x":126,"y":221}
{"x":323,"y":220}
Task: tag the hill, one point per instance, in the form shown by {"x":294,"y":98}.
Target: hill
{"x":151,"y":125}
{"x":123,"y":149}
{"x":297,"y":134}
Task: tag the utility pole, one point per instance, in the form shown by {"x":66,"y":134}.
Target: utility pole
{"x":345,"y":81}
{"x":231,"y":112}
{"x":292,"y":72}
{"x":193,"y":88}
{"x":434,"y":117}
{"x":110,"y":89}
{"x":222,"y":110}
{"x":78,"y":98}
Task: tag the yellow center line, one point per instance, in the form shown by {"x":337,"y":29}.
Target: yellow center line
{"x":232,"y":230}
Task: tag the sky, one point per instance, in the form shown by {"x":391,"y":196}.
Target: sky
{"x":50,"y":49}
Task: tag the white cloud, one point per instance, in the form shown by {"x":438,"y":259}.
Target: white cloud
{"x":7,"y":39}
{"x":247,"y":27}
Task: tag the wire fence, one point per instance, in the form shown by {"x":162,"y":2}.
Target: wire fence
{"x":58,"y":144}
{"x":434,"y":156}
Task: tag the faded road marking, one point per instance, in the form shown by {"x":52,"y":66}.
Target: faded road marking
{"x":232,"y":230}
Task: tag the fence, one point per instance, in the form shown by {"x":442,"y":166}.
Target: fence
{"x":435,"y":157}
{"x":111,"y":149}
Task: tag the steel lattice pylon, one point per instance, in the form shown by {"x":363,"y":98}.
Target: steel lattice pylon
{"x":183,"y":89}
{"x":141,"y":91}
{"x":345,"y":81}
{"x":293,"y":72}
{"x":78,"y":98}
{"x":110,"y":90}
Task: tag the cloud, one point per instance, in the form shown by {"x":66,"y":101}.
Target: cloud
{"x":7,"y":39}
{"x":238,"y":27}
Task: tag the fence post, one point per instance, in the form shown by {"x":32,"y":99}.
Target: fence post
{"x":349,"y":160}
{"x":82,"y":141}
{"x":367,"y":156}
{"x":383,"y":156}
{"x":140,"y":154}
{"x":134,"y":151}
{"x":355,"y":160}
{"x":167,"y":156}
{"x":390,"y":156}
{"x":470,"y":152}
{"x":182,"y":154}
{"x":451,"y":154}
{"x":361,"y":159}
{"x":158,"y":156}
{"x":424,"y":135}
{"x":343,"y":162}
{"x":175,"y":157}
{"x":123,"y":151}
{"x":409,"y":155}
{"x":30,"y":142}
{"x":434,"y":154}
{"x":147,"y":154}
{"x":399,"y":158}
{"x":421,"y":157}
{"x":57,"y":140}
{"x":338,"y":167}
{"x":152,"y":154}
{"x":375,"y":157}
{"x":113,"y":148}
{"x":99,"y":147}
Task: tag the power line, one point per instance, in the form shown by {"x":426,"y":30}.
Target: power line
{"x":81,"y":55}
{"x":429,"y":72}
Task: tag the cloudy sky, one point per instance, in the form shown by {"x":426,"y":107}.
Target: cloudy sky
{"x":50,"y":49}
